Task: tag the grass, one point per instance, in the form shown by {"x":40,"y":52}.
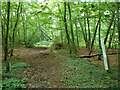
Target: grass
{"x":81,"y":73}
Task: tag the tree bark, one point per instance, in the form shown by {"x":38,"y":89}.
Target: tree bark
{"x":2,"y":26}
{"x":71,"y":27}
{"x":85,"y":30}
{"x":77,"y":34}
{"x":112,"y":18}
{"x":99,"y":24}
{"x":68,"y":38}
{"x":94,"y":37}
{"x":83,"y":33}
{"x":61,"y":19}
{"x":89,"y":37}
{"x":7,"y":32}
{"x":23,"y":19}
{"x":118,"y":25}
{"x":111,"y":36}
{"x":14,"y":29}
{"x":6,"y":39}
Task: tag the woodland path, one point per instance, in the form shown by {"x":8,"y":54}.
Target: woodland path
{"x":45,"y":68}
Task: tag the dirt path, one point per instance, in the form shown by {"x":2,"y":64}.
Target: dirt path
{"x":44,"y":69}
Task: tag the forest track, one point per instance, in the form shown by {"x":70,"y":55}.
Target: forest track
{"x":45,"y":67}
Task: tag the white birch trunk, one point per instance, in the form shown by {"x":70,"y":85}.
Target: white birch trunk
{"x":104,"y":54}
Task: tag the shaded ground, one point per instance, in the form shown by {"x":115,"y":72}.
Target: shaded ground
{"x":113,"y":59}
{"x":44,"y":70}
{"x":45,"y":67}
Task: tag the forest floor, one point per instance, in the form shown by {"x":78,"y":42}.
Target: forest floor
{"x":45,"y":68}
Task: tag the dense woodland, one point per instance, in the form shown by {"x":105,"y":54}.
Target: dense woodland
{"x":62,"y":30}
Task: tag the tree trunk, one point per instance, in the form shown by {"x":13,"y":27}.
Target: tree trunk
{"x":23,"y":19}
{"x":14,"y":29}
{"x":11,"y":31}
{"x":89,"y":37}
{"x":77,"y":34}
{"x":94,"y":37}
{"x":7,"y":32}
{"x":112,"y":18}
{"x":111,"y":36}
{"x":99,"y":24}
{"x":100,"y":48}
{"x":1,"y":25}
{"x":71,"y":27}
{"x":6,"y":40}
{"x":99,"y":58}
{"x":3,"y":34}
{"x":83,"y":33}
{"x":85,"y":30}
{"x":61,"y":19}
{"x":118,"y":16}
{"x":68,"y":38}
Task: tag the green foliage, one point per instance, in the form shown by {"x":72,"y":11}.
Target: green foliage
{"x":10,"y":79}
{"x":85,"y":74}
{"x":49,"y":17}
{"x":16,"y":58}
{"x":19,"y":65}
{"x":13,"y":83}
{"x":43,"y":44}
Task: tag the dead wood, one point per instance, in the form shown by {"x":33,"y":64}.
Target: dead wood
{"x":93,"y":55}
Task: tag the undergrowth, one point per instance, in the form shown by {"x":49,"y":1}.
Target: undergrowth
{"x":10,"y":79}
{"x":81,"y":73}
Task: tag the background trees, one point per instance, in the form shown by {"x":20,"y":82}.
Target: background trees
{"x":72,"y":23}
{"x":31,"y":27}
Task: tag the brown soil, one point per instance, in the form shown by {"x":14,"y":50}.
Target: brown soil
{"x":113,"y":59}
{"x":45,"y":67}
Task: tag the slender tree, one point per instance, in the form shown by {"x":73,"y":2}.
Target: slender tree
{"x":68,"y":38}
{"x":85,"y":30}
{"x":83,"y":33}
{"x":77,"y":33}
{"x":2,"y":28}
{"x":89,"y":36}
{"x":71,"y":27}
{"x":108,"y":30}
{"x":14,"y":29}
{"x":61,"y":19}
{"x":118,"y":25}
{"x":94,"y":37}
{"x":111,"y":37}
{"x":23,"y":19}
{"x":7,"y":32}
{"x":99,"y":25}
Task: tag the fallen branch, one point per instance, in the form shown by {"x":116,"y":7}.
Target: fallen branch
{"x":46,"y":34}
{"x":93,"y":55}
